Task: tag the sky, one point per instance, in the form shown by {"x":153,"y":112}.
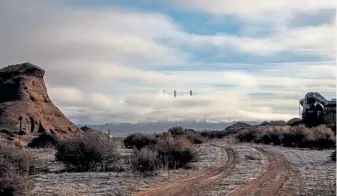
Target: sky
{"x":110,"y":60}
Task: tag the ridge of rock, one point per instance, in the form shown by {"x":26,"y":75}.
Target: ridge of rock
{"x":24,"y":68}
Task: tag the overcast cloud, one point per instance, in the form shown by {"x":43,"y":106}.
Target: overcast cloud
{"x":111,"y":62}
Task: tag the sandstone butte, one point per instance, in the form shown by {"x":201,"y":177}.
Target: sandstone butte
{"x":23,"y":93}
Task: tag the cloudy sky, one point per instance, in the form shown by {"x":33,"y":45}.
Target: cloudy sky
{"x":110,"y":60}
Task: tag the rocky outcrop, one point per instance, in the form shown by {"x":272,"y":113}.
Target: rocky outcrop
{"x":237,"y":126}
{"x":23,"y":93}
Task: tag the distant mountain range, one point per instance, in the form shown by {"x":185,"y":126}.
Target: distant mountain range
{"x":122,"y":129}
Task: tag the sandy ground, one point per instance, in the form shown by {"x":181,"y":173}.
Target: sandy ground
{"x":224,"y":168}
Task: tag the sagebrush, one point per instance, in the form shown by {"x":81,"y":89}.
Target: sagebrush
{"x":15,"y":167}
{"x":175,"y":152}
{"x":168,"y":152}
{"x":139,"y":140}
{"x":145,"y":161}
{"x":44,"y":140}
{"x":90,"y":152}
{"x":321,"y":137}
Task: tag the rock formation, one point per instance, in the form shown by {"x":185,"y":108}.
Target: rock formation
{"x":237,"y":126}
{"x":23,"y":94}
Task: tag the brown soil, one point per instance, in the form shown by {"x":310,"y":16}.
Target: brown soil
{"x":273,"y":180}
{"x":197,"y":181}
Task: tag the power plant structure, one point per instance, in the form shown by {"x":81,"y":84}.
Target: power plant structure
{"x":175,"y":93}
{"x":317,"y":110}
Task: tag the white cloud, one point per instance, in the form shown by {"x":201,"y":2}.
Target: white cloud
{"x":113,"y":35}
{"x":262,"y":9}
{"x":314,"y":40}
{"x":208,"y":101}
{"x":266,"y":26}
{"x":65,"y":95}
{"x":104,"y":64}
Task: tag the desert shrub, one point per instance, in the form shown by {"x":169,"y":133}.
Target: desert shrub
{"x":15,"y":166}
{"x":276,"y":138}
{"x":294,"y":122}
{"x":88,"y":153}
{"x":272,"y":136}
{"x":176,"y":131}
{"x":172,"y":149}
{"x":333,"y":128}
{"x":213,"y":134}
{"x":139,"y":140}
{"x":145,"y":161}
{"x":320,"y":137}
{"x":22,"y":160}
{"x":247,"y":135}
{"x":44,"y":140}
{"x":164,"y":134}
{"x":266,"y":139}
{"x":296,"y":136}
{"x":194,"y":137}
{"x":175,"y":152}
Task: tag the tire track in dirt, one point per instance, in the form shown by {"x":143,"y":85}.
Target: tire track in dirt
{"x":272,"y":181}
{"x":197,"y":182}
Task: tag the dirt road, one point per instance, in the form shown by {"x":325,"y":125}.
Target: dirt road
{"x":195,"y":182}
{"x":273,"y":180}
{"x":223,"y":168}
{"x":280,"y":178}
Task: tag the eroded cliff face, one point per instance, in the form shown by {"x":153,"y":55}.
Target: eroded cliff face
{"x":24,"y":93}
